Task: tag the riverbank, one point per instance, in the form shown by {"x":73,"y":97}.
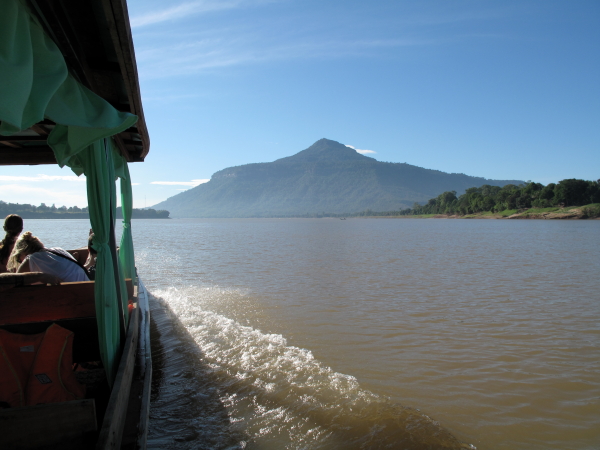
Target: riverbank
{"x":566,"y":213}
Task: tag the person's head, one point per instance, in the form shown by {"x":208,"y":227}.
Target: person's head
{"x":13,"y":225}
{"x":25,"y":245}
{"x":90,"y":243}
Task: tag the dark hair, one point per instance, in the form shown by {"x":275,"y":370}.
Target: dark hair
{"x":90,"y":243}
{"x":13,"y":225}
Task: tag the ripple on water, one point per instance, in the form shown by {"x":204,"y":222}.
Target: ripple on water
{"x":265,"y":393}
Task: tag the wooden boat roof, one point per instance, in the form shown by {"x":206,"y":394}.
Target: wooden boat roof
{"x":94,"y":37}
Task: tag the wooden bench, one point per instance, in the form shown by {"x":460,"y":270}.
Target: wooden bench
{"x":80,"y":254}
{"x":67,"y":425}
{"x":32,"y":309}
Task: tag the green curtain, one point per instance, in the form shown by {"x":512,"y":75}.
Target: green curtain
{"x":98,"y":162}
{"x":101,"y":190}
{"x":35,"y":84}
{"x":126,"y":253}
{"x":119,"y":165}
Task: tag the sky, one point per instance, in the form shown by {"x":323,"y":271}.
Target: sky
{"x":496,"y":89}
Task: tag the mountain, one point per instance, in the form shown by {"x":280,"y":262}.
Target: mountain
{"x":326,"y":177}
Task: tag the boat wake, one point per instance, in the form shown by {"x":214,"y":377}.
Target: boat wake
{"x":221,"y":384}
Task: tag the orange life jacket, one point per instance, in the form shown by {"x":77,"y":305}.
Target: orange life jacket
{"x":36,"y":369}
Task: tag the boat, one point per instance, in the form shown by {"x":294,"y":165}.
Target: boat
{"x":69,"y":95}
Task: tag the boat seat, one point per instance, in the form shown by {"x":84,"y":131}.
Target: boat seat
{"x":80,"y":254}
{"x":32,"y":309}
{"x":66,"y":425}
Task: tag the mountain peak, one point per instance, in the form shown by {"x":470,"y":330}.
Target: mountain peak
{"x":326,"y":150}
{"x":326,"y":177}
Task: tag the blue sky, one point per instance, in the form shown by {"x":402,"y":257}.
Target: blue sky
{"x":498,"y":89}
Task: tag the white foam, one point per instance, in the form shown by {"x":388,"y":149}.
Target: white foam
{"x":276,"y":392}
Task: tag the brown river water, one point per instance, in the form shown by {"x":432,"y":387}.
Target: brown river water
{"x":369,"y":333}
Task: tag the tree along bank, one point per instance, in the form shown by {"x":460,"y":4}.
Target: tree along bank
{"x":591,"y":211}
{"x":569,"y":199}
{"x":27,"y":211}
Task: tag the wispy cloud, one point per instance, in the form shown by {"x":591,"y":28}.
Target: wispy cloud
{"x":179,"y":11}
{"x":187,"y":9}
{"x":190,"y":47}
{"x":40,"y":177}
{"x":205,"y":55}
{"x":364,"y":152}
{"x":183,"y":49}
{"x":192,"y":183}
{"x":242,"y":35}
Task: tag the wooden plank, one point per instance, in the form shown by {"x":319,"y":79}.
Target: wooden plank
{"x":80,"y":254}
{"x":47,"y":303}
{"x":133,"y":142}
{"x":117,"y":17}
{"x":147,"y":368}
{"x":144,"y":423}
{"x":47,"y":425}
{"x":114,"y":420}
{"x":31,"y":155}
{"x":137,"y":422}
{"x":11,"y":144}
{"x":40,"y":129}
{"x":38,"y":303}
{"x":132,"y":418}
{"x":122,"y":148}
{"x":129,"y":284}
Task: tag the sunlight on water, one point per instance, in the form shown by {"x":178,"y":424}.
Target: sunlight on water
{"x":279,"y":396}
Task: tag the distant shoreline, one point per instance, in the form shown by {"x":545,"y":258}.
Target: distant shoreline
{"x":572,"y":213}
{"x":31,"y":212}
{"x":566,"y":213}
{"x":554,"y":213}
{"x":77,"y":217}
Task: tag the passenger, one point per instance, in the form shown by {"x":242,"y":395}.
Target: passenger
{"x":30,"y":255}
{"x":90,"y":263}
{"x":11,"y":280}
{"x":13,"y":225}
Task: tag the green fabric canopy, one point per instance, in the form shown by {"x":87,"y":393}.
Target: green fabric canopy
{"x":126,"y":254}
{"x":35,"y":84}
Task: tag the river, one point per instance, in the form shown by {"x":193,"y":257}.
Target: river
{"x":369,"y":333}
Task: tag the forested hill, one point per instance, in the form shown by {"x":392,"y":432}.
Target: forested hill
{"x":326,"y":177}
